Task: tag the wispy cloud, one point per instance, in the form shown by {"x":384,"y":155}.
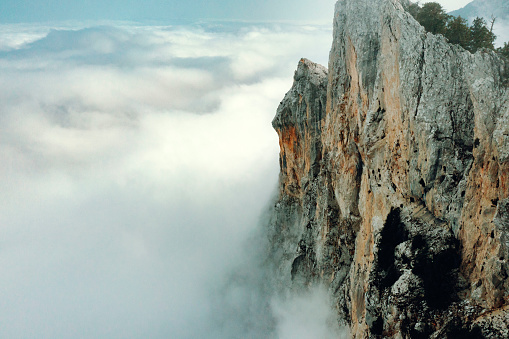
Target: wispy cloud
{"x":306,"y":315}
{"x":136,"y":162}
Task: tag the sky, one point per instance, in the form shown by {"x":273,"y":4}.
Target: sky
{"x":451,"y":5}
{"x":165,"y":10}
{"x":174,"y":10}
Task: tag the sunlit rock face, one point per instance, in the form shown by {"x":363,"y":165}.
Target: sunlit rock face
{"x":394,"y":184}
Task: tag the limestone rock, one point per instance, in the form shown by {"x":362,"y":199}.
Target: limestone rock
{"x":394,"y":187}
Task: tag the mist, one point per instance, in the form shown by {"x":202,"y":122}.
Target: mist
{"x":306,"y":315}
{"x":138,"y":168}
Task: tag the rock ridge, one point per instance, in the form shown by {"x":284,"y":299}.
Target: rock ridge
{"x":394,"y":187}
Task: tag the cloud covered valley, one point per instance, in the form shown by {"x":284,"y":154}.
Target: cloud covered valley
{"x":137,"y":162}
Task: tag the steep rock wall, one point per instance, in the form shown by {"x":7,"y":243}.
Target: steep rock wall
{"x":394,"y":186}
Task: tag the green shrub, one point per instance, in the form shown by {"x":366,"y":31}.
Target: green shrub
{"x":434,"y":19}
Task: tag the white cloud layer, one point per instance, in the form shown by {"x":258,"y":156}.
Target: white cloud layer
{"x":306,"y":316}
{"x":136,"y":163}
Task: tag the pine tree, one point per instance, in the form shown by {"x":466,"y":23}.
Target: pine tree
{"x":456,"y":29}
{"x":481,"y":37}
{"x":413,"y":8}
{"x":458,"y":32}
{"x":433,"y":17}
{"x":504,"y":51}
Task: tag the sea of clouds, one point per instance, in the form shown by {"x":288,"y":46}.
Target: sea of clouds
{"x":136,"y":165}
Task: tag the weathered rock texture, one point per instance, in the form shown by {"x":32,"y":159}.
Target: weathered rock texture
{"x":394,"y":185}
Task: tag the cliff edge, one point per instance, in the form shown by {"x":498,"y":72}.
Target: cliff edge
{"x":394,"y":184}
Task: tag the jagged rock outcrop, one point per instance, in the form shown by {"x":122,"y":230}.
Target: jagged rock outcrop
{"x":394,"y":185}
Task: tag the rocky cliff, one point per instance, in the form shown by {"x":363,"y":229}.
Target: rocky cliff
{"x":394,"y":184}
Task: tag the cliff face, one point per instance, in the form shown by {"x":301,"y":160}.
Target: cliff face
{"x":394,"y":185}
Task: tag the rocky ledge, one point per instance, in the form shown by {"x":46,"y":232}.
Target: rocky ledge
{"x":394,"y":184}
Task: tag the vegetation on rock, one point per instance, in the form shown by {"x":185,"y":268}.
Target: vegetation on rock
{"x":434,"y":19}
{"x":504,"y":51}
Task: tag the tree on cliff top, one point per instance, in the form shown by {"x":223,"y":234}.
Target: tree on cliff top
{"x":458,"y":32}
{"x":435,"y":20}
{"x":481,"y":36}
{"x":504,"y":51}
{"x":433,"y":17}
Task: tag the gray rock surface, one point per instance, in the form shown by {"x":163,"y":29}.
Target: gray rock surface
{"x":394,"y":183}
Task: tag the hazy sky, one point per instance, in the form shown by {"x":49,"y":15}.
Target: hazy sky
{"x":30,"y":10}
{"x":450,"y":5}
{"x":170,"y":10}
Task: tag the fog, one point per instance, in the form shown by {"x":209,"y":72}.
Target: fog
{"x":501,"y":30}
{"x":306,"y":315}
{"x":138,"y":165}
{"x":449,"y":5}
